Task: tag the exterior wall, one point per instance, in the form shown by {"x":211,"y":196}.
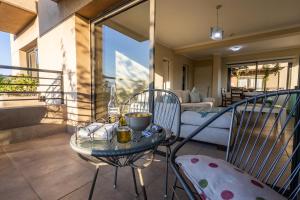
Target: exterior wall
{"x":20,"y":41}
{"x":52,"y":13}
{"x":176,"y":64}
{"x":29,"y":5}
{"x":83,"y":66}
{"x":57,"y":51}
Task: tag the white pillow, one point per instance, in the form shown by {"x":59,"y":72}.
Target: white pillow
{"x":178,"y":94}
{"x":185,"y":96}
{"x":195,"y":95}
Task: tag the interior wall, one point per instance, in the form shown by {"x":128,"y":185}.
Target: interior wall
{"x":176,"y":63}
{"x":203,"y":77}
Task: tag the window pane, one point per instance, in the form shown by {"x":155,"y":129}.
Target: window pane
{"x":243,"y":76}
{"x":122,"y":56}
{"x":272,"y":76}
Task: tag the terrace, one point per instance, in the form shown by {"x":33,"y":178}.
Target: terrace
{"x":74,"y":68}
{"x":35,"y":169}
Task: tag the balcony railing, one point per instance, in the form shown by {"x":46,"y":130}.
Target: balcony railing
{"x":30,"y":85}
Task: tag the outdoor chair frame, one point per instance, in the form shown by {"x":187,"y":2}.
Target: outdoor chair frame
{"x":166,"y":112}
{"x":252,"y":145}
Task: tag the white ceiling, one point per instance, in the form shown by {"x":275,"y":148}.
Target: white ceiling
{"x":253,"y":47}
{"x":180,"y":23}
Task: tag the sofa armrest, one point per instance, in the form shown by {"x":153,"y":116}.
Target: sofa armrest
{"x":209,"y":99}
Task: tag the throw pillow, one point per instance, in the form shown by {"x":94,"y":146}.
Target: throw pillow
{"x":195,"y":95}
{"x":178,"y":94}
{"x":185,"y":96}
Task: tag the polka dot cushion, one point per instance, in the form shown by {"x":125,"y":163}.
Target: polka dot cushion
{"x":216,"y":179}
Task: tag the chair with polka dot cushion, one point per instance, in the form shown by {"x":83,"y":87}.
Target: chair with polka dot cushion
{"x":262,"y":159}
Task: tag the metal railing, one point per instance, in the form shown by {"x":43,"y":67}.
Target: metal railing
{"x":31,"y":84}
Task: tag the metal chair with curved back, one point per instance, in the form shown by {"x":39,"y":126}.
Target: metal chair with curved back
{"x":260,"y":153}
{"x":165,"y":108}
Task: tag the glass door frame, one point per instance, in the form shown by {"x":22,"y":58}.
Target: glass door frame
{"x":107,"y":15}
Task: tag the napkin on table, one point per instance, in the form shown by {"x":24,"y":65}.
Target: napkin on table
{"x":98,"y":131}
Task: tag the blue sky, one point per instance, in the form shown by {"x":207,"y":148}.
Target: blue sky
{"x":114,"y":41}
{"x":5,"y":58}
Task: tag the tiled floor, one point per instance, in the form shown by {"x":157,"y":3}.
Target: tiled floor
{"x":47,"y":168}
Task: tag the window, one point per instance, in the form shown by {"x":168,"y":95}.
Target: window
{"x":32,"y":61}
{"x":262,"y":76}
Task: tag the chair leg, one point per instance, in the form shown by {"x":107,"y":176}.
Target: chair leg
{"x":134,"y":181}
{"x":116,"y":176}
{"x":167,"y":173}
{"x":174,"y":188}
{"x":94,"y":183}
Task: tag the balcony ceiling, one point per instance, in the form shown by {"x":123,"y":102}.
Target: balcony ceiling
{"x":184,"y":26}
{"x":14,"y":18}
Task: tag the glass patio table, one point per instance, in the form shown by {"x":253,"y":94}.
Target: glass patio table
{"x":118,"y":154}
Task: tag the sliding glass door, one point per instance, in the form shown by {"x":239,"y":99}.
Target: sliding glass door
{"x":121,"y":56}
{"x":263,"y":76}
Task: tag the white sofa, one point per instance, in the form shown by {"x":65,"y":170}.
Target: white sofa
{"x":184,"y":97}
{"x":191,"y":119}
{"x":216,"y":133}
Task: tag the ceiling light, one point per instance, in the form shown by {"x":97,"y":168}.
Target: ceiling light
{"x":216,"y":32}
{"x":235,"y":48}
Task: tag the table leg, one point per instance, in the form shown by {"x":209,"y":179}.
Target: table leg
{"x":116,"y":176}
{"x":134,"y":181}
{"x":93,"y":184}
{"x":142,"y":183}
{"x":167,"y":173}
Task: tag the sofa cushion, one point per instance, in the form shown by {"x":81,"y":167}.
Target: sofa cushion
{"x":195,"y":95}
{"x":197,"y":119}
{"x":216,"y":179}
{"x":194,"y":106}
{"x":211,"y":135}
{"x":183,"y":95}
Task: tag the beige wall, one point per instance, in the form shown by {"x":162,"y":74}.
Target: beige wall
{"x":176,"y":64}
{"x":203,"y":77}
{"x":29,"y":5}
{"x":57,"y":51}
{"x":83,"y":66}
{"x":52,"y":13}
{"x":20,"y":41}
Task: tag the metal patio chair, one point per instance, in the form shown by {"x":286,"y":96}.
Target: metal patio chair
{"x":166,"y":111}
{"x":262,"y":157}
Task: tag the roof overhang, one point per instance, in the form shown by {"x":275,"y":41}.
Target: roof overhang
{"x":14,"y":18}
{"x":96,"y":7}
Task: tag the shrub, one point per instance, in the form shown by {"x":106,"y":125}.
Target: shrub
{"x":20,"y":83}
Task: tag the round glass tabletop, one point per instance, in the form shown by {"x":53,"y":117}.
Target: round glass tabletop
{"x":105,"y":148}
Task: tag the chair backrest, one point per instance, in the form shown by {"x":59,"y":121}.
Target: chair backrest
{"x":236,"y":94}
{"x":223,"y":92}
{"x":266,"y":140}
{"x":164,"y":106}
